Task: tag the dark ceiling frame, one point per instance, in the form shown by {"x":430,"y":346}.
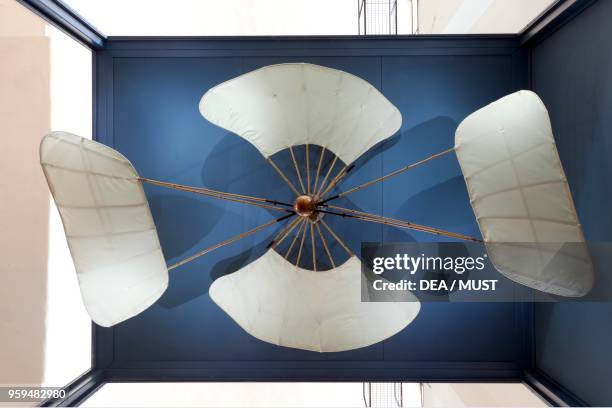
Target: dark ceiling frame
{"x":551,"y":20}
{"x":73,"y":24}
{"x":66,"y":19}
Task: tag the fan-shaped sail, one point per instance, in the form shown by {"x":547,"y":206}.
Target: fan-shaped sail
{"x":282,"y":304}
{"x":284,"y":105}
{"x":108,"y":225}
{"x":520,"y":196}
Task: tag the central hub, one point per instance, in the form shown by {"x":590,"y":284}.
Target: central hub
{"x":305,"y":206}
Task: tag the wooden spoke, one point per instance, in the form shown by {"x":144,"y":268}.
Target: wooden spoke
{"x":318,"y":192}
{"x":314,"y":186}
{"x":283,"y":176}
{"x":297,"y":263}
{"x":297,"y":169}
{"x":237,"y":198}
{"x":325,"y":245}
{"x":393,"y":173}
{"x":295,"y":238}
{"x":308,"y":168}
{"x":314,"y":252}
{"x":336,"y":237}
{"x":284,"y":233}
{"x":337,"y":179}
{"x":227,"y":241}
{"x":346,"y":212}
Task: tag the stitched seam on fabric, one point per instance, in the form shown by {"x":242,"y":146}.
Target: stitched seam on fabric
{"x":506,"y":190}
{"x":510,"y":157}
{"x":96,"y":202}
{"x":499,"y":217}
{"x":111,"y":234}
{"x":520,"y":189}
{"x":89,"y":172}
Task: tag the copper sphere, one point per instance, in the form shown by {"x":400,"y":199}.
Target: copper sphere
{"x":304,"y":206}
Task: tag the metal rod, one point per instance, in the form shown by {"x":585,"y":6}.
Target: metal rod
{"x":336,"y":237}
{"x":308,"y":168}
{"x":289,"y":183}
{"x":297,"y":169}
{"x":297,"y":263}
{"x":314,"y":252}
{"x":227,"y":241}
{"x":395,"y":173}
{"x":399,"y":223}
{"x":326,"y":176}
{"x":284,"y":233}
{"x":256,"y":201}
{"x":325,"y":245}
{"x":295,"y":238}
{"x":314,"y":186}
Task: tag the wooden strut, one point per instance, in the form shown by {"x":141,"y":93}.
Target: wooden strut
{"x":283,"y":176}
{"x":347,"y":212}
{"x":336,"y":237}
{"x":297,"y":169}
{"x":284,"y":233}
{"x":295,"y":238}
{"x":237,"y":198}
{"x":325,"y":246}
{"x":314,"y":186}
{"x":312,"y":244}
{"x":337,"y":179}
{"x":317,"y":192}
{"x":228,"y":241}
{"x":383,"y":178}
{"x":181,"y":186}
{"x":297,"y":263}
{"x":308,"y":168}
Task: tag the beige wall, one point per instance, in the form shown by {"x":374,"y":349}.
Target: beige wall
{"x":479,"y":395}
{"x":24,"y":206}
{"x":45,"y":83}
{"x":478,"y":16}
{"x":435,"y":14}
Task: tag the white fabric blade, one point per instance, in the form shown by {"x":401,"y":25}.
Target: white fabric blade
{"x":108,"y":225}
{"x":277,"y":302}
{"x":284,"y":105}
{"x":521,"y":198}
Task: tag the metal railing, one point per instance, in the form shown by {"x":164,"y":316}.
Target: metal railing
{"x":377,"y":17}
{"x":383,"y":395}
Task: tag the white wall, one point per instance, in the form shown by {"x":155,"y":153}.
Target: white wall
{"x":311,"y":395}
{"x":221,"y":17}
{"x":241,"y":395}
{"x":68,"y":327}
